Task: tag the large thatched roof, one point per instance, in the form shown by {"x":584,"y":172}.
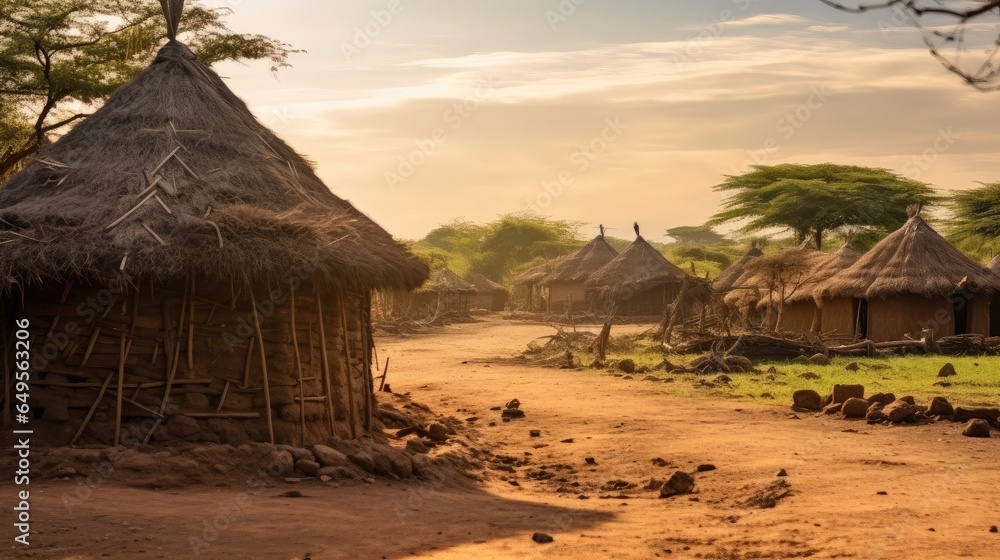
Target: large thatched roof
{"x":484,"y":285}
{"x":444,"y":281}
{"x":823,"y":269}
{"x":733,"y":273}
{"x":175,"y":175}
{"x":579,"y":266}
{"x":789,"y":267}
{"x":913,"y":260}
{"x":638,"y":268}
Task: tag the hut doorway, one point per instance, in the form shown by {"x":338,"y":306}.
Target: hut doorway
{"x":960,"y":305}
{"x":995,"y":316}
{"x":861,"y":323}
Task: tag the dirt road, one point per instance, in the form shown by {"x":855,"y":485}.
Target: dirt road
{"x":857,"y":491}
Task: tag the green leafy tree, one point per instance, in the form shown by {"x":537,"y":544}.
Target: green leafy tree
{"x":702,"y":235}
{"x":812,"y":200}
{"x":516,"y":239}
{"x":58,"y":58}
{"x":975,"y":222}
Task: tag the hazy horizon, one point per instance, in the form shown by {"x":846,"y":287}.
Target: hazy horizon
{"x":600,"y":113}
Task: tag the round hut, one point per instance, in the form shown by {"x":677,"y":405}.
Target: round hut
{"x":445,"y":292}
{"x":799,"y":313}
{"x":565,"y":280}
{"x":912,"y":280}
{"x":529,"y":284}
{"x":183,"y":274}
{"x":639,"y":281}
{"x":728,"y":278}
{"x":489,"y":295}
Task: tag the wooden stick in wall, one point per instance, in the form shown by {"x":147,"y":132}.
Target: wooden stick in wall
{"x":190,"y":348}
{"x":325,"y":359}
{"x":121,"y":389}
{"x":263,"y":367}
{"x":298,"y":366}
{"x":93,"y":409}
{"x":348,"y":371}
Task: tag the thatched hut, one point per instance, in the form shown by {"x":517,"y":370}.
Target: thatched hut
{"x":994,"y":267}
{"x":184,"y":274}
{"x":489,"y":295}
{"x":733,"y":272}
{"x":445,"y":292}
{"x":639,"y":281}
{"x":799,"y":313}
{"x":566,"y":277}
{"x":912,"y":280}
{"x":529,"y":285}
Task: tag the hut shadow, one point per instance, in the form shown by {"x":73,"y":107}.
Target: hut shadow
{"x":382,"y":520}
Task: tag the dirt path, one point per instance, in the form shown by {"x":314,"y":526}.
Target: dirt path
{"x":940,"y":499}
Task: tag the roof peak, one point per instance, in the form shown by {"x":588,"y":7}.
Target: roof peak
{"x":172,"y":11}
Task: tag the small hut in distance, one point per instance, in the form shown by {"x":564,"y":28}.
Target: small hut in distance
{"x":445,"y":292}
{"x":489,"y":295}
{"x":912,"y":280}
{"x":226,"y":289}
{"x":639,"y":281}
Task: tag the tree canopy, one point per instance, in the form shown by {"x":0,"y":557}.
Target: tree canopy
{"x":60,"y":57}
{"x":812,"y":200}
{"x":975,"y":222}
{"x":696,"y":234}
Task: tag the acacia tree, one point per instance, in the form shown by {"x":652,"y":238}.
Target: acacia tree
{"x":60,"y":57}
{"x":812,"y":200}
{"x":975,"y":222}
{"x":944,"y":23}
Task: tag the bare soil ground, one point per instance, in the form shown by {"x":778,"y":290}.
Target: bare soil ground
{"x":856,"y":491}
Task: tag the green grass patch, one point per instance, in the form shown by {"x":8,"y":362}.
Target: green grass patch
{"x":977,"y":382}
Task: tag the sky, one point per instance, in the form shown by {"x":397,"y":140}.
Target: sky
{"x":421,"y":112}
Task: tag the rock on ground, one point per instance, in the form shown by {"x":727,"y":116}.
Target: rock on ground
{"x":947,"y":370}
{"x":680,"y":483}
{"x":820,"y":359}
{"x":977,"y":428}
{"x":855,"y":408}
{"x":899,"y":411}
{"x":939,"y":406}
{"x":843,"y":392}
{"x":807,"y":399}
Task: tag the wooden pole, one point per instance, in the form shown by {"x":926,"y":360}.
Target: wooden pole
{"x":263,"y":367}
{"x":93,"y":409}
{"x":121,"y":390}
{"x":298,"y":367}
{"x":190,"y":333}
{"x":327,"y":387}
{"x":249,"y":361}
{"x":366,"y":323}
{"x":342,"y":301}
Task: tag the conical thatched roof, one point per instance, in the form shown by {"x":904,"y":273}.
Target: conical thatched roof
{"x":914,"y":260}
{"x":175,"y":175}
{"x":579,"y":266}
{"x":729,"y":276}
{"x":638,"y":268}
{"x":444,"y":281}
{"x":824,"y":268}
{"x":484,"y":285}
{"x":790,"y":266}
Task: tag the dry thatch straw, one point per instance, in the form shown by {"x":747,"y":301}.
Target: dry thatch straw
{"x":728,"y":278}
{"x":913,"y":260}
{"x":444,"y":281}
{"x":637,"y":269}
{"x":786,"y":269}
{"x":485,"y":286}
{"x":243,"y":204}
{"x":579,"y":266}
{"x":535,"y":274}
{"x":994,"y":264}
